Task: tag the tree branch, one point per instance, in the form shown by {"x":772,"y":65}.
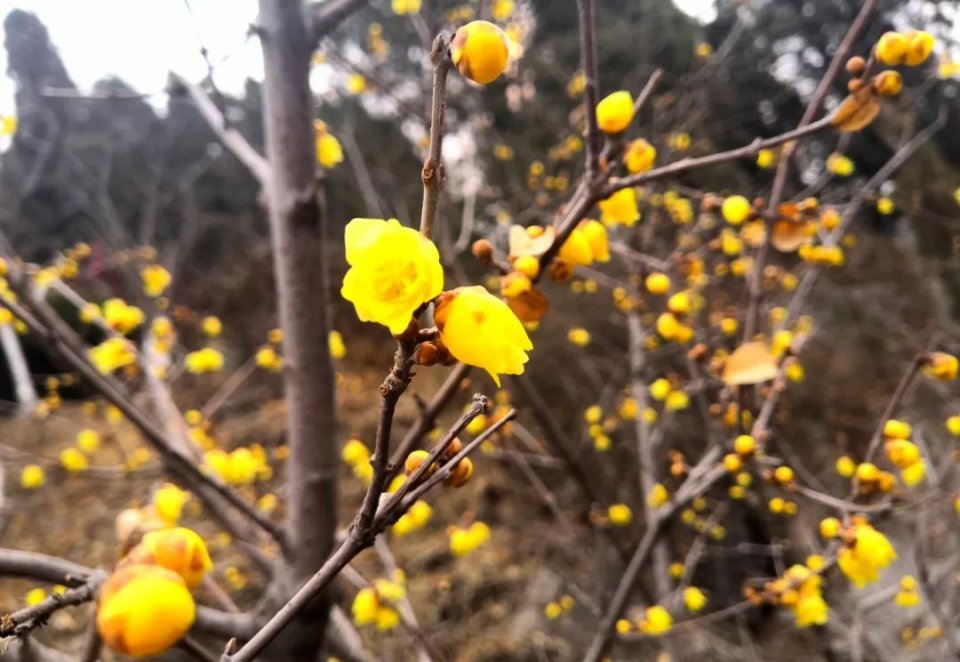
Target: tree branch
{"x":433,"y":173}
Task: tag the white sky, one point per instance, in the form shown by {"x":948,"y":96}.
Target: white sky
{"x":144,"y":39}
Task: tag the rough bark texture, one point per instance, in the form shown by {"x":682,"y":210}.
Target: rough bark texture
{"x":297,"y":237}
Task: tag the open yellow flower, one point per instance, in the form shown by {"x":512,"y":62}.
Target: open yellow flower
{"x":204,"y":360}
{"x":156,"y":279}
{"x":112,"y":354}
{"x":871,"y":552}
{"x":393,"y":271}
{"x":620,"y":208}
{"x":144,"y":610}
{"x":615,"y":112}
{"x":480,"y":330}
{"x":121,"y":316}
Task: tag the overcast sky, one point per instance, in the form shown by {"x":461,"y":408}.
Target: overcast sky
{"x":144,"y":39}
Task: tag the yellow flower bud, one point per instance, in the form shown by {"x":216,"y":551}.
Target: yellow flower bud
{"x":919,"y":47}
{"x":479,"y":50}
{"x":32,"y":476}
{"x":179,"y":549}
{"x":615,"y":112}
{"x":640,"y":156}
{"x":888,"y":83}
{"x":144,"y":610}
{"x":892,"y":48}
{"x":619,"y":514}
{"x":736,"y":209}
{"x":658,"y":283}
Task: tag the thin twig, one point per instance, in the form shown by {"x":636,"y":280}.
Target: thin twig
{"x":433,"y":172}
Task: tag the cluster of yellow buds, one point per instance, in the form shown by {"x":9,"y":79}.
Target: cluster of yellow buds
{"x":464,"y":540}
{"x":356,"y":455}
{"x":868,"y":476}
{"x":903,"y":453}
{"x":910,"y":48}
{"x":672,"y":324}
{"x":655,"y":621}
{"x":799,"y":590}
{"x":696,"y":516}
{"x":145,"y":606}
{"x":557,"y":608}
{"x":377,"y":604}
{"x":599,"y":427}
{"x":461,"y":472}
{"x":241,"y":466}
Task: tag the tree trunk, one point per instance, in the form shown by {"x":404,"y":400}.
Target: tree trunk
{"x":297,"y":237}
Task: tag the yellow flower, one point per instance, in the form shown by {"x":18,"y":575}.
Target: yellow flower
{"x":576,"y":250}
{"x":907,"y":596}
{"x":393,"y":271}
{"x":212,"y":326}
{"x":596,"y":235}
{"x":656,"y":621}
{"x":810,"y":608}
{"x":892,"y":48}
{"x":356,"y":84}
{"x":502,"y":10}
{"x":73,"y":460}
{"x":178,"y":549}
{"x":156,"y":279}
{"x":913,"y":474}
{"x":464,"y":541}
{"x":88,"y":440}
{"x":885,"y":206}
{"x":888,"y":83}
{"x":329,"y":151}
{"x":144,"y":610}
{"x":337,"y":349}
{"x":121,"y":317}
{"x":480,"y":51}
{"x":168,"y":502}
{"x":355,"y":452}
{"x":480,"y":330}
{"x":204,"y":360}
{"x":919,"y":47}
{"x":680,"y":141}
{"x":620,"y":208}
{"x":619,"y":514}
{"x":766,"y":158}
{"x":953,"y":425}
{"x":660,"y":389}
{"x":267,"y":358}
{"x":239,"y":467}
{"x":615,"y":112}
{"x":414,"y":519}
{"x":35,"y":596}
{"x":941,"y":365}
{"x":658,"y":495}
{"x":830,"y":527}
{"x":870,"y":552}
{"x":579,"y":336}
{"x":639,"y":156}
{"x":32,"y":476}
{"x":8,"y":125}
{"x":677,"y":400}
{"x":694,"y":599}
{"x":846,"y":466}
{"x":403,"y":7}
{"x":552,"y":611}
{"x":840,"y":165}
{"x":736,"y":209}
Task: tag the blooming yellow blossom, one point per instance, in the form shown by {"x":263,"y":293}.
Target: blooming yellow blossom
{"x":639,"y":156}
{"x":32,"y":476}
{"x":480,"y":330}
{"x":619,"y":514}
{"x":178,"y":549}
{"x":156,"y":279}
{"x":73,"y":460}
{"x":329,"y":151}
{"x":656,"y":621}
{"x":337,"y":349}
{"x":405,"y":7}
{"x":694,"y":599}
{"x":942,"y":366}
{"x":463,"y":541}
{"x":869,"y":553}
{"x":144,"y":610}
{"x":919,"y":47}
{"x":615,"y":112}
{"x":620,"y":208}
{"x":203,"y":361}
{"x":393,"y":271}
{"x":840,"y":165}
{"x":168,"y":502}
{"x":658,"y":495}
{"x":480,"y":51}
{"x":766,"y":158}
{"x":120,"y":316}
{"x":88,"y":440}
{"x":892,"y":48}
{"x":268,"y":359}
{"x":579,"y":336}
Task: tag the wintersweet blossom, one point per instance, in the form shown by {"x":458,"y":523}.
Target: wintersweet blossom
{"x":156,"y":279}
{"x":480,"y":51}
{"x":480,"y":330}
{"x":393,"y":271}
{"x":615,"y":112}
{"x":178,"y":549}
{"x":144,"y":610}
{"x":869,"y":553}
{"x":620,"y":208}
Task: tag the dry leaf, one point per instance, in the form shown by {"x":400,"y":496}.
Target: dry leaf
{"x":750,"y":363}
{"x":857,"y":110}
{"x":787,"y":236}
{"x":521,"y":243}
{"x":530,"y":306}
